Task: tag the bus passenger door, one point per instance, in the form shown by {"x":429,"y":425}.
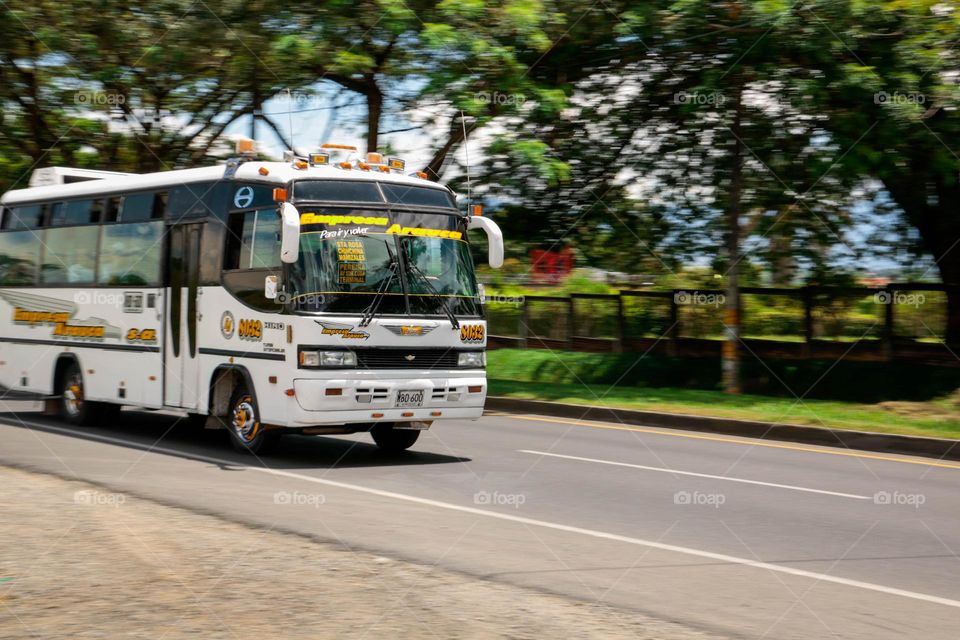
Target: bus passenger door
{"x":181,"y":380}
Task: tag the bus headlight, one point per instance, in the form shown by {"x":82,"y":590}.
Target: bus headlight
{"x":328,"y":359}
{"x":472,"y":359}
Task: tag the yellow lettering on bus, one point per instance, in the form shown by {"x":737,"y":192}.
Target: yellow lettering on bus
{"x":396,"y":229}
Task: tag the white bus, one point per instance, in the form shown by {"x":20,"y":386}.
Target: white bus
{"x":317,"y":295}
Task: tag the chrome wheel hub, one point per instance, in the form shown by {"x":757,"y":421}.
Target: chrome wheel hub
{"x":245,"y":422}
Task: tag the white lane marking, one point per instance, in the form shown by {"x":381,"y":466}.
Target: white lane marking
{"x":699,"y":475}
{"x":603,"y":535}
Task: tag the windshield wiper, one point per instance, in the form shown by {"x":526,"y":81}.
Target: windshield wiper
{"x":371,"y":309}
{"x":415,"y":270}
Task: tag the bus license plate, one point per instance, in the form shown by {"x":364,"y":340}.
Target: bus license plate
{"x":410,"y":398}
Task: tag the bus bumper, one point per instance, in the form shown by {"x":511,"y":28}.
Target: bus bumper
{"x":345,"y":401}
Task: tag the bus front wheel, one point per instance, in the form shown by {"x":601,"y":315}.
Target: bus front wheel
{"x":247,"y":433}
{"x":390,"y":439}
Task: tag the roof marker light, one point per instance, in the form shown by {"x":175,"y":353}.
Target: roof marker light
{"x":263,"y":171}
{"x":345,"y":165}
{"x":398,"y":164}
{"x":300,"y":164}
{"x":280,"y":194}
{"x":375,"y":158}
{"x":344,"y":147}
{"x":319,"y":159}
{"x":246,"y":147}
{"x":422,"y":174}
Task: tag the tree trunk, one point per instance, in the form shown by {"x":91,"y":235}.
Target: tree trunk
{"x":374,"y":111}
{"x":930,"y":204}
{"x":731,"y":319}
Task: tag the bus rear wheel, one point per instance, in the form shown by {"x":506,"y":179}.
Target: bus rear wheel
{"x":391,"y":439}
{"x":74,"y":406}
{"x":247,"y":433}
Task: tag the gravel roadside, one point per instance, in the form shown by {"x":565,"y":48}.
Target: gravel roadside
{"x":80,"y":562}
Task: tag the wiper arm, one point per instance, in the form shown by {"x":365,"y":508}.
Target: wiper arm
{"x":371,"y":309}
{"x":414,"y":269}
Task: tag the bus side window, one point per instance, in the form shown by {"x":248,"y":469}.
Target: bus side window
{"x":69,"y":255}
{"x":73,"y":212}
{"x":19,"y":255}
{"x":22,"y":217}
{"x":189,"y":201}
{"x":131,"y":254}
{"x":253,"y":240}
{"x":141,"y":207}
{"x":111,"y":209}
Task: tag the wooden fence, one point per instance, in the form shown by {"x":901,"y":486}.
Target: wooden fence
{"x":903,"y":321}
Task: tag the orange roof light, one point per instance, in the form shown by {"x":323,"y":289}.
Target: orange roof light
{"x":344,"y":147}
{"x":383,"y":168}
{"x":280,"y":194}
{"x":345,"y":165}
{"x":422,"y":174}
{"x":375,"y":158}
{"x":246,"y":147}
{"x":317,"y":159}
{"x":263,"y":171}
{"x":300,"y":164}
{"x":397,"y":163}
{"x":364,"y":166}
{"x":476,"y":210}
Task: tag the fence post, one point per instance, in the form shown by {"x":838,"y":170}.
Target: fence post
{"x":807,"y":296}
{"x":888,"y":325}
{"x":524,"y":328}
{"x":674,"y":331}
{"x":618,"y":347}
{"x":570,"y":320}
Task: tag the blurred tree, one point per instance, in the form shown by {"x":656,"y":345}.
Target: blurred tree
{"x":890,"y":87}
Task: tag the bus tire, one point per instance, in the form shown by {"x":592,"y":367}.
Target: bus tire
{"x":393,"y":440}
{"x":74,"y":407}
{"x":247,"y":433}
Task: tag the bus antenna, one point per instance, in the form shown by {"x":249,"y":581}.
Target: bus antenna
{"x":293,"y":145}
{"x":466,"y":153}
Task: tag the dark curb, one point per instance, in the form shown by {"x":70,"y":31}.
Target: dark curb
{"x":939,"y":448}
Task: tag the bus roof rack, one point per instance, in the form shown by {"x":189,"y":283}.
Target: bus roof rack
{"x":67,"y":175}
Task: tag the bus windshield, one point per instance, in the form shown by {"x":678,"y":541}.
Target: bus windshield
{"x":418,"y":262}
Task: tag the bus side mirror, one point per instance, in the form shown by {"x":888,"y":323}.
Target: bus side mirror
{"x":289,"y":233}
{"x":494,"y":238}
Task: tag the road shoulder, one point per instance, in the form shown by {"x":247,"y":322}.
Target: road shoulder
{"x":91,"y":561}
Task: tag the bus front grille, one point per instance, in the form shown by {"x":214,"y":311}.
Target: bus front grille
{"x":406,"y":359}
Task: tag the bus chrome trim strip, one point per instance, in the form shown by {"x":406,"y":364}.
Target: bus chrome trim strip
{"x":242,"y":354}
{"x":83,"y":345}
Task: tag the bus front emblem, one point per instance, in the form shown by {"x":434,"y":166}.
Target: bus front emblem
{"x":410,"y":358}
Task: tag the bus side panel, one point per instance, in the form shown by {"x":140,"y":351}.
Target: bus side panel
{"x":114,"y":334}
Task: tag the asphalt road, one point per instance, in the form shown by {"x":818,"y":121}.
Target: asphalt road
{"x":733,"y":536}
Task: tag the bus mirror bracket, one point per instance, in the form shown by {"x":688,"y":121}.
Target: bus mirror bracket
{"x":494,"y":238}
{"x":270,"y":287}
{"x":289,"y":233}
